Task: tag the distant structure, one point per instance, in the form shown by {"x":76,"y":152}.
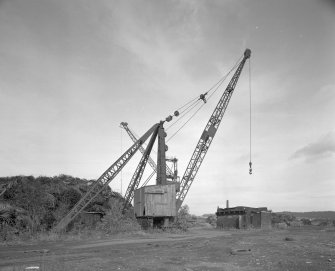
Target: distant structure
{"x":242,"y":217}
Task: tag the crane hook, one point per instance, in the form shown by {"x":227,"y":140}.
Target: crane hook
{"x":250,"y":168}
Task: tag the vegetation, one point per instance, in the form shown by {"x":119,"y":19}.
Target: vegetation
{"x":114,"y":221}
{"x":330,"y":215}
{"x":31,"y":205}
{"x":183,"y":216}
{"x":282,"y":218}
{"x":308,"y":218}
{"x":211,"y":219}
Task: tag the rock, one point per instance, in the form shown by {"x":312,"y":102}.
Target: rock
{"x":288,"y":239}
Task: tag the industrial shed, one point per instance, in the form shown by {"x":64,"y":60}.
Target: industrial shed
{"x":155,"y":205}
{"x":242,"y":217}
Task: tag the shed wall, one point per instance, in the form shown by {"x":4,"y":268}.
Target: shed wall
{"x":255,"y":220}
{"x":266,"y":220}
{"x":231,"y":221}
{"x":155,"y":201}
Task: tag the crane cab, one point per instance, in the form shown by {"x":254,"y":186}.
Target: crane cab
{"x":155,"y":205}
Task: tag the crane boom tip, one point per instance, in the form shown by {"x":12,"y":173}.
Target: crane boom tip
{"x":247,"y":53}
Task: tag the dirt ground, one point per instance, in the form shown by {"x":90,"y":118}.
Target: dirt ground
{"x":202,"y":248}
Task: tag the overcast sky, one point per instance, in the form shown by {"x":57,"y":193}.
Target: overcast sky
{"x":71,"y":71}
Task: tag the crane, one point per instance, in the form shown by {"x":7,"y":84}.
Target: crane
{"x":133,"y":185}
{"x":208,"y":133}
{"x":206,"y":137}
{"x":157,"y":131}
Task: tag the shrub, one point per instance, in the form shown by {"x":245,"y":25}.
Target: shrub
{"x":114,"y":221}
{"x":182,"y":217}
{"x":211,"y":219}
{"x":70,"y":197}
{"x":306,"y":221}
{"x":7,"y":232}
{"x":48,"y":220}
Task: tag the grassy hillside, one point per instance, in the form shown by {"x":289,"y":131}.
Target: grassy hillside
{"x":29,"y":204}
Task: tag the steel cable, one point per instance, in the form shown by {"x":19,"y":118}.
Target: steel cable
{"x":216,"y":86}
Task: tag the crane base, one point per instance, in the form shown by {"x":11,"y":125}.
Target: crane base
{"x":155,"y":222}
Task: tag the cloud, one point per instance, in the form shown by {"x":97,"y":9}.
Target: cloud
{"x":324,"y":147}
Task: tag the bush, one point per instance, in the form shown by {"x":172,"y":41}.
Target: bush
{"x":280,"y":218}
{"x":211,"y":219}
{"x":37,"y":204}
{"x":7,"y":232}
{"x":48,"y":220}
{"x":70,"y":197}
{"x":114,"y":221}
{"x":306,"y":221}
{"x":182,"y":217}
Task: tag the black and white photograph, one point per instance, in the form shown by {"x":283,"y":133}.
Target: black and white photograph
{"x":182,"y":135}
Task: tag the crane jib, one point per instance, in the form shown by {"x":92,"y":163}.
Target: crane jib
{"x":209,"y":133}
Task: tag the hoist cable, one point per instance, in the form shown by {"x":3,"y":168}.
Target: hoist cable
{"x":250,"y":163}
{"x":185,"y":114}
{"x":121,"y":133}
{"x":194,"y":99}
{"x":216,"y":86}
{"x":185,"y":123}
{"x":220,"y":82}
{"x":224,"y":78}
{"x":186,"y":109}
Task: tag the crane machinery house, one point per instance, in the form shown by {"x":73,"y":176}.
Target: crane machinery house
{"x":155,"y":205}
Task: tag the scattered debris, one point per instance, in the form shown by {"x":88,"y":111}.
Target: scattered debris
{"x":288,"y":239}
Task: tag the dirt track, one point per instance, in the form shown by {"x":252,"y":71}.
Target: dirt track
{"x":200,"y":249}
